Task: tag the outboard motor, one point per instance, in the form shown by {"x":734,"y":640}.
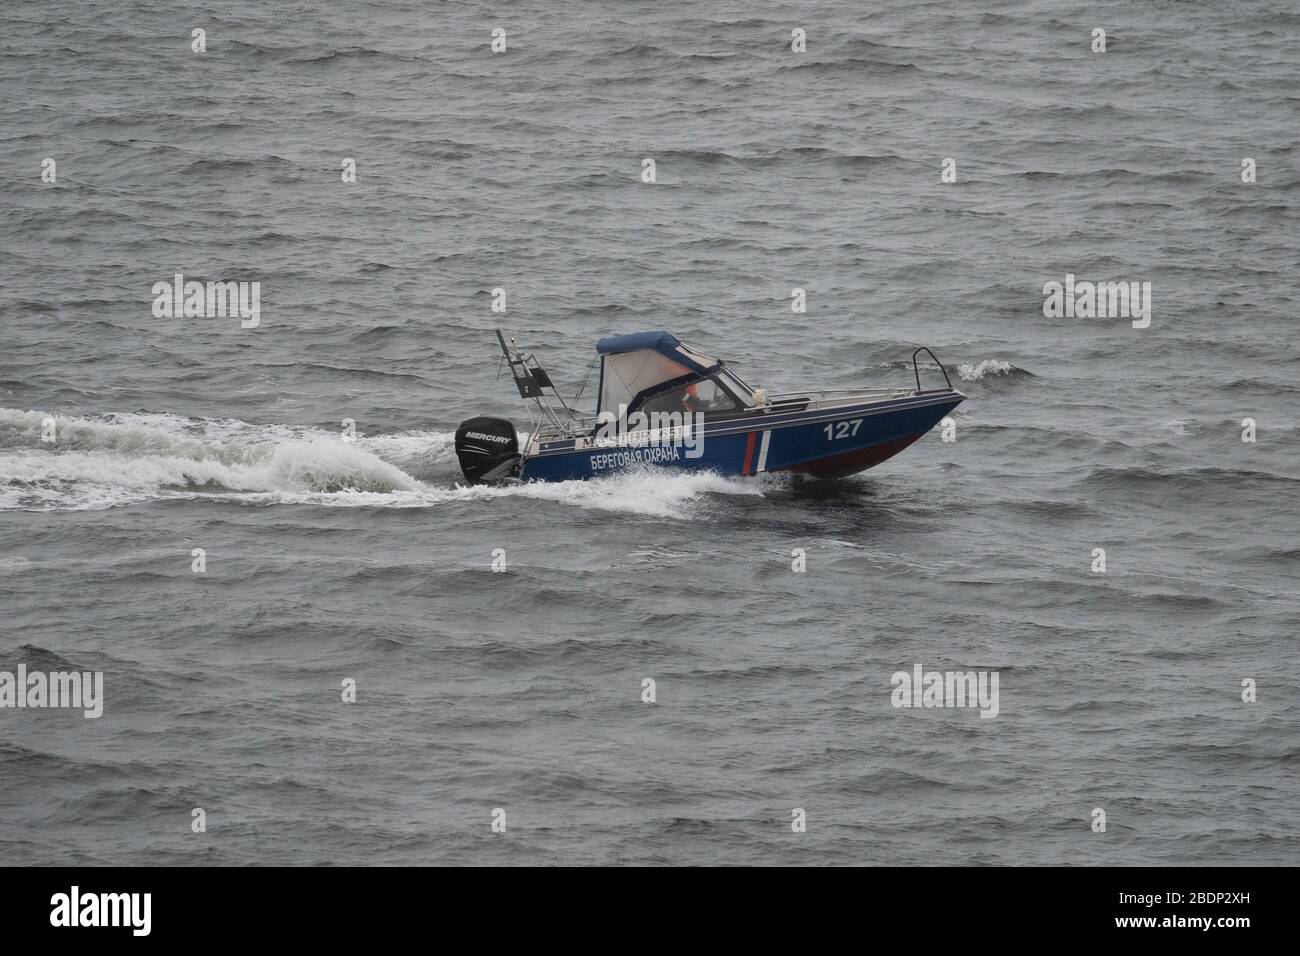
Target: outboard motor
{"x":488,"y":449}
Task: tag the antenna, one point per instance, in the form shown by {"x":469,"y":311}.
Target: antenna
{"x":530,"y":378}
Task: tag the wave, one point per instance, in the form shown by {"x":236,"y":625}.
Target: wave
{"x":989,"y":367}
{"x":114,"y":460}
{"x":966,"y":371}
{"x":859,"y":66}
{"x":1187,"y":480}
{"x":800,"y":157}
{"x":353,"y":53}
{"x":40,"y":659}
{"x":233,"y":164}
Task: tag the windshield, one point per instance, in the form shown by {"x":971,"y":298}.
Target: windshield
{"x":707,"y":395}
{"x":732,"y":381}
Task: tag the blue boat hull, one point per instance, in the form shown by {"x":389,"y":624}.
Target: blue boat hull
{"x":825,"y":443}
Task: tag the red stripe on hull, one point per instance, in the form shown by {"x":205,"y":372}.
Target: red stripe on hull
{"x":749,"y":453}
{"x":852,"y":462}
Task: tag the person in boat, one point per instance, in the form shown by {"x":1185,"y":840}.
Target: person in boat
{"x":683,"y":399}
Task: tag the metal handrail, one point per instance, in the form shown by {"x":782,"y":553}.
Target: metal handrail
{"x":833,"y":391}
{"x":916,"y":370}
{"x":578,"y":424}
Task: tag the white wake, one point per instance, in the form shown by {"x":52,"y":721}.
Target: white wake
{"x":107,"y":461}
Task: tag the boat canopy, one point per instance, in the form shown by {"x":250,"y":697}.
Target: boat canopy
{"x":639,"y":366}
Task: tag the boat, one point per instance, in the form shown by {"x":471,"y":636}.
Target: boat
{"x":661,"y":402}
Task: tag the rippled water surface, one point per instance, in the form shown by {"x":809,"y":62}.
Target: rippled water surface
{"x":522,"y":690}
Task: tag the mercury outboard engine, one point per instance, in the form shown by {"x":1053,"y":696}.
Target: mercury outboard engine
{"x":488,"y":449}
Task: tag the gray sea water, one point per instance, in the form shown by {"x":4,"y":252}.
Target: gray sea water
{"x":522,"y":690}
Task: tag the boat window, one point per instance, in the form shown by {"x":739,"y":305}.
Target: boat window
{"x":711,"y":397}
{"x":706,"y":396}
{"x":626,"y":374}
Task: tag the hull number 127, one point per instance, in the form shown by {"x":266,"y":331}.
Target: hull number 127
{"x":843,"y":429}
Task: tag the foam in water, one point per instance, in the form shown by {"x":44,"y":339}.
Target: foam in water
{"x":973,"y":373}
{"x":113,"y":460}
{"x":640,"y":490}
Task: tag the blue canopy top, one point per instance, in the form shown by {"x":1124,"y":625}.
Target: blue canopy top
{"x":665,"y":343}
{"x":640,"y":365}
{"x":636,"y":341}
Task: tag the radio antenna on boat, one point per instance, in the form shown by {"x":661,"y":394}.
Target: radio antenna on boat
{"x":530,"y":378}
